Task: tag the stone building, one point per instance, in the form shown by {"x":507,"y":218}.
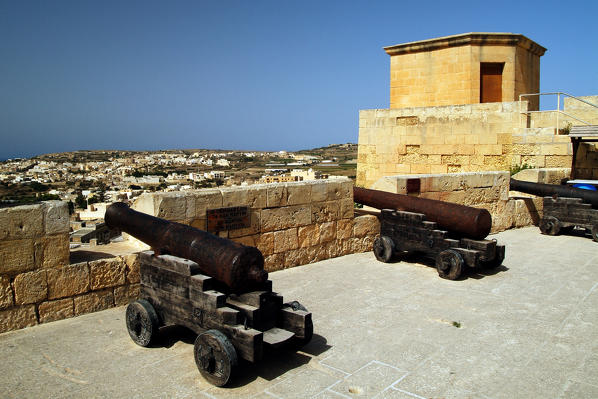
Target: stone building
{"x":455,"y":107}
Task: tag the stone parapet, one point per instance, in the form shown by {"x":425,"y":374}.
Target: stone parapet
{"x":291,"y":223}
{"x":37,"y":283}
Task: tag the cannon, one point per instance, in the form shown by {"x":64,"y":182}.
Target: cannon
{"x":213,"y":286}
{"x":564,"y":208}
{"x":450,"y":234}
{"x":463,"y":220}
{"x":238,"y":267}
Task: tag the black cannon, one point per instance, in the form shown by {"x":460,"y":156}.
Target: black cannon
{"x":412,"y":224}
{"x":564,"y":208}
{"x":215,"y":287}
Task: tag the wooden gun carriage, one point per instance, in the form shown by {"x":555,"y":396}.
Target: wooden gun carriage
{"x":215,"y":287}
{"x":402,"y":231}
{"x":564,"y":207}
{"x":563,"y":214}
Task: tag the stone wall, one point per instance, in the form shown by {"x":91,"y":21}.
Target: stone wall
{"x":489,"y":190}
{"x":450,"y":139}
{"x":37,"y":283}
{"x":291,"y":223}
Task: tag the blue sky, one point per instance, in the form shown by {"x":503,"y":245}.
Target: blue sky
{"x":254,"y":75}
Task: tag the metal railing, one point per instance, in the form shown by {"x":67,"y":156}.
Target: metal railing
{"x":558,"y":109}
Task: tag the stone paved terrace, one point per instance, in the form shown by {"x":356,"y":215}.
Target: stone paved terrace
{"x":529,"y":330}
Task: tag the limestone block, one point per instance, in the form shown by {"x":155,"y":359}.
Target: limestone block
{"x":19,"y":222}
{"x":325,"y":211}
{"x":254,"y":225}
{"x":126,"y":294}
{"x":93,"y":302}
{"x":344,"y":229}
{"x":298,"y":193}
{"x":132,"y":271}
{"x":106,"y":273}
{"x":250,"y":241}
{"x":327,"y":232}
{"x":55,"y":251}
{"x":276,"y":195}
{"x":56,"y":217}
{"x":282,"y":218}
{"x":265,"y":243}
{"x":206,"y":199}
{"x":274,"y":262}
{"x":319,"y":191}
{"x":174,"y":206}
{"x":199,"y":223}
{"x":235,"y":196}
{"x":366,"y":225}
{"x":308,"y":235}
{"x":558,"y":161}
{"x":285,"y":240}
{"x":17,"y":318}
{"x":55,"y":310}
{"x":6,"y":298}
{"x":257,"y":196}
{"x":145,"y":203}
{"x":347,"y":208}
{"x":16,"y":256}
{"x":31,"y":287}
{"x":296,"y":257}
{"x":68,"y":280}
{"x":526,"y":213}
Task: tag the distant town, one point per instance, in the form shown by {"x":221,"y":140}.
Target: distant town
{"x":84,"y":178}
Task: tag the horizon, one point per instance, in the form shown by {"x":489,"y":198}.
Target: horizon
{"x":264,"y":76}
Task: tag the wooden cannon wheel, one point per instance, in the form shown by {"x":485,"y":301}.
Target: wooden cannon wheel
{"x":215,"y":357}
{"x":449,"y":264}
{"x":384,"y":248}
{"x":550,"y":225}
{"x":142,"y":322}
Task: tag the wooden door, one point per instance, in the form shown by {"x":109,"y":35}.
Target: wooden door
{"x":491,"y":82}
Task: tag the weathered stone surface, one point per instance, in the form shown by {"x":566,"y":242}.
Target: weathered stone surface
{"x":55,"y":310}
{"x":30,"y":287}
{"x":276,"y":195}
{"x":93,"y":302}
{"x":265,"y":243}
{"x":344,"y":229}
{"x":254,"y":225}
{"x":6,"y":297}
{"x":283,"y":218}
{"x":17,"y":318}
{"x":56,"y":217}
{"x":298,"y":193}
{"x":285,"y":240}
{"x":16,"y":256}
{"x":325,"y":211}
{"x":174,"y":206}
{"x":125,"y":294}
{"x":327,"y":232}
{"x":106,"y":273}
{"x":25,"y":221}
{"x":347,"y":208}
{"x":55,"y":251}
{"x":250,"y":241}
{"x":319,"y":191}
{"x":206,"y":199}
{"x":132,"y":271}
{"x":308,"y":235}
{"x":68,"y":280}
{"x":366,"y":225}
{"x":274,"y":262}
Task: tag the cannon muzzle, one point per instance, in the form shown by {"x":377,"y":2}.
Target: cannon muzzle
{"x":551,"y":190}
{"x":239,"y":267}
{"x":460,"y":219}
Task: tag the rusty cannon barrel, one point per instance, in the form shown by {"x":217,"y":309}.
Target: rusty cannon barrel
{"x":551,"y":190}
{"x":463,"y":220}
{"x":239,"y":267}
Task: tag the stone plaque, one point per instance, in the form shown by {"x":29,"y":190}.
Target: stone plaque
{"x":233,"y":218}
